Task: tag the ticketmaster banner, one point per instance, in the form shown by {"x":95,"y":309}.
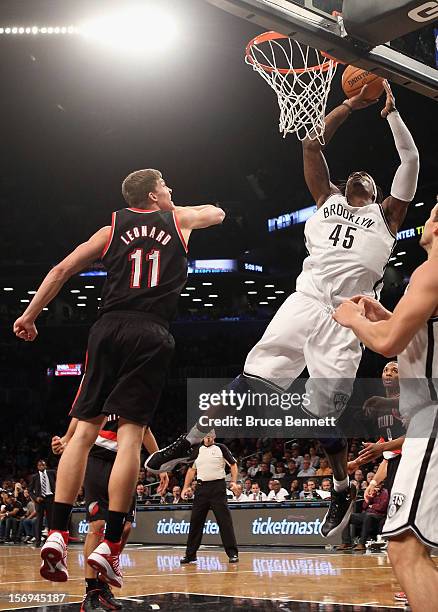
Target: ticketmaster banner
{"x":283,"y":526}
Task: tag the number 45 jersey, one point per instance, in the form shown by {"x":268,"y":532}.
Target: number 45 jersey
{"x":146,"y":263}
{"x":348,"y":248}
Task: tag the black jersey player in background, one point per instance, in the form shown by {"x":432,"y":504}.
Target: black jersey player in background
{"x":129,"y":348}
{"x":98,"y":594}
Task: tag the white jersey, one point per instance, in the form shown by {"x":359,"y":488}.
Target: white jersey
{"x":418,"y":370}
{"x":348,"y":248}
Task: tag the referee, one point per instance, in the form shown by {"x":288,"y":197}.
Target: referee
{"x":211,"y":494}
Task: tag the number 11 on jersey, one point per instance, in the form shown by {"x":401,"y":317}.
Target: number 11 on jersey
{"x":153,"y":259}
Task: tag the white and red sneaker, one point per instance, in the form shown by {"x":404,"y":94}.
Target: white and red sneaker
{"x":54,"y":557}
{"x":401,"y":596}
{"x":105,"y":560}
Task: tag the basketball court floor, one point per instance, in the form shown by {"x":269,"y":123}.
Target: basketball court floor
{"x":265,"y":579}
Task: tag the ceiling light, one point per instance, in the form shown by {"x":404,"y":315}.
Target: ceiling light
{"x":213,"y":295}
{"x":401,"y":253}
{"x":8,"y":288}
{"x":31,"y":292}
{"x":196,"y":300}
{"x":263,"y":303}
{"x":190,"y":288}
{"x":25,"y":301}
{"x":271,"y":297}
{"x":185,"y":294}
{"x":89,"y":286}
{"x":207,"y":305}
{"x":400,"y":263}
{"x":252,"y":292}
{"x":249,"y":282}
{"x":82,"y":297}
{"x":80,"y":304}
{"x":279,"y":291}
{"x":207,"y":284}
{"x":269,"y":286}
{"x":419,"y":204}
{"x":392,"y":258}
{"x":74,"y":291}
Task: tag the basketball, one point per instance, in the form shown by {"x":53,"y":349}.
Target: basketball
{"x":353,"y":79}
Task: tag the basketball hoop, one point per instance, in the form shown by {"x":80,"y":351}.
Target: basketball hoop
{"x":300,"y":76}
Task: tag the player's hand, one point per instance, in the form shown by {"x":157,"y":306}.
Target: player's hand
{"x":360,"y":101}
{"x":233,"y":487}
{"x":58,"y":445}
{"x":390,"y":101}
{"x":347,"y":313}
{"x":371,"y":451}
{"x":373,"y":309}
{"x":352,"y":466}
{"x":370,"y":492}
{"x":25,"y":329}
{"x":164,"y":483}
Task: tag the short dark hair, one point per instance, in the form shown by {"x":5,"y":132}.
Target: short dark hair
{"x":137,"y":185}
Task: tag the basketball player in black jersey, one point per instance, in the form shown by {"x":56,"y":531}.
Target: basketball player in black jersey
{"x":101,"y":458}
{"x":129,"y":348}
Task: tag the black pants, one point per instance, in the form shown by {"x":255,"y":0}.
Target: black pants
{"x":43,"y":507}
{"x":370,"y":524}
{"x":211,"y":496}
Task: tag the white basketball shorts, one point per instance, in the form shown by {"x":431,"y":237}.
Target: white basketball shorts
{"x":303,"y":333}
{"x":414,"y":499}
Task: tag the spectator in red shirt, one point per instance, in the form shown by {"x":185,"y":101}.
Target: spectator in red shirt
{"x":370,"y":520}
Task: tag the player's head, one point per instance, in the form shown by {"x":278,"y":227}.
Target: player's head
{"x":390,"y":374}
{"x":209,"y":439}
{"x":430,"y":232}
{"x":361,"y":189}
{"x":147,"y":189}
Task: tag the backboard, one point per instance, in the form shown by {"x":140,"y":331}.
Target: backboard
{"x":312,"y":23}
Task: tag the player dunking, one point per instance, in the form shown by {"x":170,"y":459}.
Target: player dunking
{"x":349,"y":239}
{"x":129,"y":349}
{"x":411,"y":331}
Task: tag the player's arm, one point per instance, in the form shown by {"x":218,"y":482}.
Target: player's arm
{"x":59,"y":443}
{"x":372,"y":450}
{"x":391,"y":336}
{"x":405,"y":180}
{"x":199,"y":217}
{"x":84,"y":255}
{"x":316,"y":171}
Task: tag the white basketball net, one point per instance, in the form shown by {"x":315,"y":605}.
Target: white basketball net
{"x":302,"y":95}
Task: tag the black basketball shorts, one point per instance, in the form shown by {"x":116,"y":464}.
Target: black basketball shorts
{"x":127,"y":359}
{"x":96,"y":481}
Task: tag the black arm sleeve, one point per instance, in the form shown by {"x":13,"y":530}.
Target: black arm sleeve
{"x":226,"y":454}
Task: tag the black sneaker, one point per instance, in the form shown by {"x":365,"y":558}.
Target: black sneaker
{"x":186,"y":560}
{"x":339,"y":512}
{"x":106,"y":597}
{"x":233,"y":559}
{"x":167,"y":458}
{"x":91,"y":602}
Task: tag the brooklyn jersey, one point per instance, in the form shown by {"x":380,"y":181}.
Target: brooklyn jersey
{"x":146,"y":263}
{"x":348,"y":251}
{"x":105,"y":446}
{"x":418,"y":370}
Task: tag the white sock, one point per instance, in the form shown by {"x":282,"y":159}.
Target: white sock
{"x":195,"y":435}
{"x":340,"y":485}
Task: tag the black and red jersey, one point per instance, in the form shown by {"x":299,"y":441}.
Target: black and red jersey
{"x":105,"y":446}
{"x":146,"y":263}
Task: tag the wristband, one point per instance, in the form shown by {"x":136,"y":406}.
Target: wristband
{"x":374,"y":482}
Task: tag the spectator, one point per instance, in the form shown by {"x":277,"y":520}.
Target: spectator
{"x":42,"y":491}
{"x":294,"y":490}
{"x":142,"y":494}
{"x":307,"y":469}
{"x":10,"y":520}
{"x":190,"y":495}
{"x":256,"y":494}
{"x":359,"y":477}
{"x":279,"y":471}
{"x":295,"y":452}
{"x":312,"y":493}
{"x":324,"y":468}
{"x":247,"y":486}
{"x":370,"y":520}
{"x":176,"y":495}
{"x":26,"y":529}
{"x":314,"y":457}
{"x":325,"y":492}
{"x":239,"y":495}
{"x":253,"y":467}
{"x":304,"y":491}
{"x":263,"y":477}
{"x":277,"y":493}
{"x":142,"y":476}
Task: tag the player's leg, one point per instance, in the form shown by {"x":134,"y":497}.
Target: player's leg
{"x":333,"y":355}
{"x":145,"y":350}
{"x":97,"y":383}
{"x":275,"y":361}
{"x":415,"y":570}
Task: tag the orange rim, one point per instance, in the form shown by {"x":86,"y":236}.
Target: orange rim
{"x":267,"y":37}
